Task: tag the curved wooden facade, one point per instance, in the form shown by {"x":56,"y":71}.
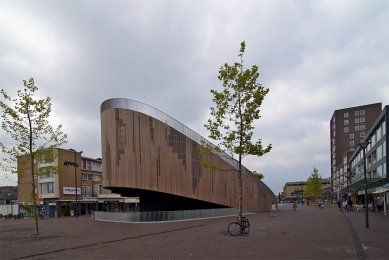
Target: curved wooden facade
{"x":145,"y":149}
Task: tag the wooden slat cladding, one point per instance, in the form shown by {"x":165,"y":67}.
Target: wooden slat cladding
{"x":151,"y":155}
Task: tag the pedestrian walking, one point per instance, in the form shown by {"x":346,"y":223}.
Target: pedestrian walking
{"x":294,"y":206}
{"x":273,"y":210}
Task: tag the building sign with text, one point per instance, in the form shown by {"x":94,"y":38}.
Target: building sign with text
{"x":71,"y":191}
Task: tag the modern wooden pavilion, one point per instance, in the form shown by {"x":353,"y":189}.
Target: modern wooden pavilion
{"x":148,"y":154}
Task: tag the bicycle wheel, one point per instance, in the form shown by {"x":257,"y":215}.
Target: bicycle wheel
{"x":246,"y":227}
{"x":234,"y":229}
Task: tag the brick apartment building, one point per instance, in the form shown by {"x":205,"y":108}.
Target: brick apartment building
{"x":376,"y":165}
{"x":348,"y":128}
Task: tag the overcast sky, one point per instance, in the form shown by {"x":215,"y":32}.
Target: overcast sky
{"x":314,"y":56}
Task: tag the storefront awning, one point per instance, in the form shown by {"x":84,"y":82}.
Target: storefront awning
{"x":380,"y":190}
{"x":359,"y":186}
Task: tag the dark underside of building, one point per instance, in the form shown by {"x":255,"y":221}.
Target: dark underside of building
{"x":159,"y":201}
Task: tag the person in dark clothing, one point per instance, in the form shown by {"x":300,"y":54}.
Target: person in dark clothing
{"x":349,"y":205}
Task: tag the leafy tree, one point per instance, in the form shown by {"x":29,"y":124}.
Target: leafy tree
{"x":25,"y":120}
{"x":313,"y":187}
{"x":237,"y":106}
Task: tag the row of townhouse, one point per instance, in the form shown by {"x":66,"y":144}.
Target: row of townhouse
{"x":71,"y":185}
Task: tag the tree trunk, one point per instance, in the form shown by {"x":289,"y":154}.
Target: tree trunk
{"x":34,"y":205}
{"x":240,"y":187}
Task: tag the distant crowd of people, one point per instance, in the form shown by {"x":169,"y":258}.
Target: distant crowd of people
{"x":374,"y":205}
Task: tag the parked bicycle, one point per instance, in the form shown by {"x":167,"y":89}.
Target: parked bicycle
{"x":240,"y":226}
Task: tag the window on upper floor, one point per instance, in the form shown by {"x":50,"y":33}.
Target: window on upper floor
{"x":373,"y":156}
{"x":45,"y":157}
{"x":87,"y":177}
{"x":96,"y":166}
{"x":379,"y":133}
{"x":345,"y":114}
{"x":46,"y":188}
{"x":356,"y":120}
{"x":345,"y":122}
{"x":351,"y":136}
{"x":373,"y":174}
{"x":379,"y":152}
{"x":46,"y":172}
{"x":362,"y":119}
{"x":346,"y":129}
{"x":88,"y":191}
{"x":356,"y":113}
{"x":362,"y":112}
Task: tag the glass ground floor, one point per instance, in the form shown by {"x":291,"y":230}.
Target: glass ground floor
{"x":377,"y":198}
{"x":63,"y":208}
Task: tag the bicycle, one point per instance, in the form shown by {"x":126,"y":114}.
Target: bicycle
{"x":240,"y":226}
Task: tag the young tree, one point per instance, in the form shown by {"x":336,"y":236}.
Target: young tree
{"x":25,"y":120}
{"x":314,"y":186}
{"x":237,"y":106}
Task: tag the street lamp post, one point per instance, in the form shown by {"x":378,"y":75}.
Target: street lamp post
{"x":363,"y":146}
{"x":10,"y":195}
{"x":302,"y":193}
{"x":348,"y":179}
{"x":75,"y":178}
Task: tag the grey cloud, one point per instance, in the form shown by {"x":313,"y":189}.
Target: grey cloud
{"x":314,"y":56}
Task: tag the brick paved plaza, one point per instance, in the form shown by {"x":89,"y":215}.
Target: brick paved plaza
{"x":308,"y":233}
